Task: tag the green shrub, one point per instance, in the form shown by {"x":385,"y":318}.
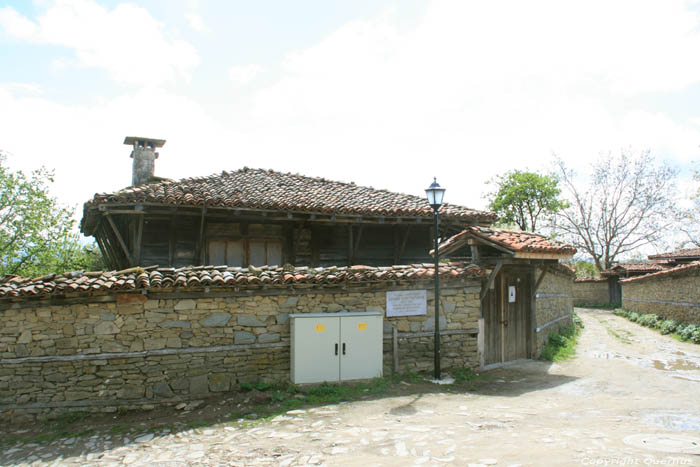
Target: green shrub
{"x":687,"y":332}
{"x":668,"y":326}
{"x":649,"y":320}
{"x":696,"y":335}
{"x":634,"y":316}
{"x":576,"y":319}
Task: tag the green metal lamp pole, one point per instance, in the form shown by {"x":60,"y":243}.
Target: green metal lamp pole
{"x":435,"y":194}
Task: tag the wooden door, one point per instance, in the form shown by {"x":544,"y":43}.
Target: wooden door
{"x":516,"y":314}
{"x":507,"y":313}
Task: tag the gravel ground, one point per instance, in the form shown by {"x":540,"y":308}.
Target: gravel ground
{"x":629,"y":397}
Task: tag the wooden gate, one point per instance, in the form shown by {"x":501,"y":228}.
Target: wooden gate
{"x":507,"y":313}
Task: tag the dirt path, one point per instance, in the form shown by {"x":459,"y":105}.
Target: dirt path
{"x":630,"y":397}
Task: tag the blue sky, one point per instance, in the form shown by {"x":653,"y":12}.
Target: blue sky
{"x":383,"y":93}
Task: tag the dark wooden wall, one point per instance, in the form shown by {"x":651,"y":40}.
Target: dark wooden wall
{"x":184,"y":240}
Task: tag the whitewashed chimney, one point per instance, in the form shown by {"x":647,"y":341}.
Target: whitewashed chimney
{"x":144,"y":157}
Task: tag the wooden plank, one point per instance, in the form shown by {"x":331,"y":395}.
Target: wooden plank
{"x":404,"y":242}
{"x":532,"y":328}
{"x":350,"y":246}
{"x":356,"y":247}
{"x":119,"y":238}
{"x":503,"y":317}
{"x":171,"y":243}
{"x":475,"y":254}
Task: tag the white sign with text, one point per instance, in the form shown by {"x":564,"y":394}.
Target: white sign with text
{"x":406,"y":303}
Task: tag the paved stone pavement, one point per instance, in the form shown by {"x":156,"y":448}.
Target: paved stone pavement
{"x":630,"y":397}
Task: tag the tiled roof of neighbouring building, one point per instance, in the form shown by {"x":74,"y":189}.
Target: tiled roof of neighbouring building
{"x":269,"y":190}
{"x":686,"y":253}
{"x":686,"y":269}
{"x":210,"y":276}
{"x":634,"y":268}
{"x":513,"y":240}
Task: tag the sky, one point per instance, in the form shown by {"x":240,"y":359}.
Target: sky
{"x":383,"y":93}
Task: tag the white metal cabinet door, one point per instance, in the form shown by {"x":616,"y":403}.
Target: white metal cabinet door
{"x":361,"y":347}
{"x":315,"y":349}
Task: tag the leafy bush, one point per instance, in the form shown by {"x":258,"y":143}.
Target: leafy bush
{"x":562,"y":345}
{"x":687,"y":332}
{"x":633,"y":316}
{"x":649,"y":320}
{"x":668,"y":326}
{"x":576,"y":319}
{"x":696,"y":335}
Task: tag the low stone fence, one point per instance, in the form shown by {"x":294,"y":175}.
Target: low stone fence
{"x":141,"y":348}
{"x":591,"y":291}
{"x":554,"y":304}
{"x":674,"y":294}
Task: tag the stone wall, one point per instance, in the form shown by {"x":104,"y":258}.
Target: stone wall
{"x":139,"y":350}
{"x":554,"y":304}
{"x":591,"y":291}
{"x":674,"y":296}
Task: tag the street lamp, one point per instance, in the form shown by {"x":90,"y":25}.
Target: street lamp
{"x":435,"y":194}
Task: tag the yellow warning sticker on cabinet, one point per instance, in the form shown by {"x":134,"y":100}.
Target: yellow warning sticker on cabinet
{"x":361,"y":326}
{"x":320,"y":328}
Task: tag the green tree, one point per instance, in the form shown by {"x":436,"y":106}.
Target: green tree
{"x":36,"y":232}
{"x":524,"y":198}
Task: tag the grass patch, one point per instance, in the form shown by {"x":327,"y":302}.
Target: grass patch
{"x":562,"y":345}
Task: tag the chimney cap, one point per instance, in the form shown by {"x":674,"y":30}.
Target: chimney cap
{"x":137,"y":140}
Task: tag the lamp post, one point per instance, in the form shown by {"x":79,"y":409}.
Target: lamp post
{"x":435,"y":194}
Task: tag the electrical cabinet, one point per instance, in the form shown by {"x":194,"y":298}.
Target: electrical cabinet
{"x":336,"y":346}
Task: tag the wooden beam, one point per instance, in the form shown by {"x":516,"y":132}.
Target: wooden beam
{"x":396,"y":244}
{"x":489,"y":243}
{"x":171,"y":243}
{"x":350,"y":245}
{"x":475,"y":254}
{"x":536,"y":286}
{"x":489,"y":283}
{"x":119,"y":238}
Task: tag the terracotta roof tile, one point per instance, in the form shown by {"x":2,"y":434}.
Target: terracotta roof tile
{"x":686,"y":253}
{"x":270,"y":190}
{"x":678,"y":270}
{"x":205,"y":276}
{"x":634,"y":267}
{"x":513,"y":240}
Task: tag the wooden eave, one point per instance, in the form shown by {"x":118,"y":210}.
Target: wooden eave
{"x":138,"y":209}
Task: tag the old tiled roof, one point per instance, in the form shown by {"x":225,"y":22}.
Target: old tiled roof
{"x":269,"y":190}
{"x":686,"y":253}
{"x":633,"y":268}
{"x":513,"y":240}
{"x":692,"y":268}
{"x":163,"y":279}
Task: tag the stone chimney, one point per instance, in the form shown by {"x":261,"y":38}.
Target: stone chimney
{"x":144,"y":157}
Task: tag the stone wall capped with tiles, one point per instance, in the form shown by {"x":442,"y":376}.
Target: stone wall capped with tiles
{"x":139,"y":350}
{"x":674,"y":296}
{"x":591,"y":292}
{"x":554,"y":304}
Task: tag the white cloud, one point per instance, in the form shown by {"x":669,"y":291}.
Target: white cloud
{"x":478,"y":88}
{"x":243,"y":75}
{"x":126,"y":41}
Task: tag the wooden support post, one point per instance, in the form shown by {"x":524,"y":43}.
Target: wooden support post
{"x":139,"y":240}
{"x":200,"y":239}
{"x":120,"y":239}
{"x":356,"y":247}
{"x":396,"y":244}
{"x":475,"y":254}
{"x":395,"y":347}
{"x":350,"y":246}
{"x":171,"y":243}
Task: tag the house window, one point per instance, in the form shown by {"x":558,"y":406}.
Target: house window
{"x":244,"y":252}
{"x":228,"y":252}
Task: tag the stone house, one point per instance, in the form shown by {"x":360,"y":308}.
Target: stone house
{"x":211,"y":273}
{"x":261,"y":217}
